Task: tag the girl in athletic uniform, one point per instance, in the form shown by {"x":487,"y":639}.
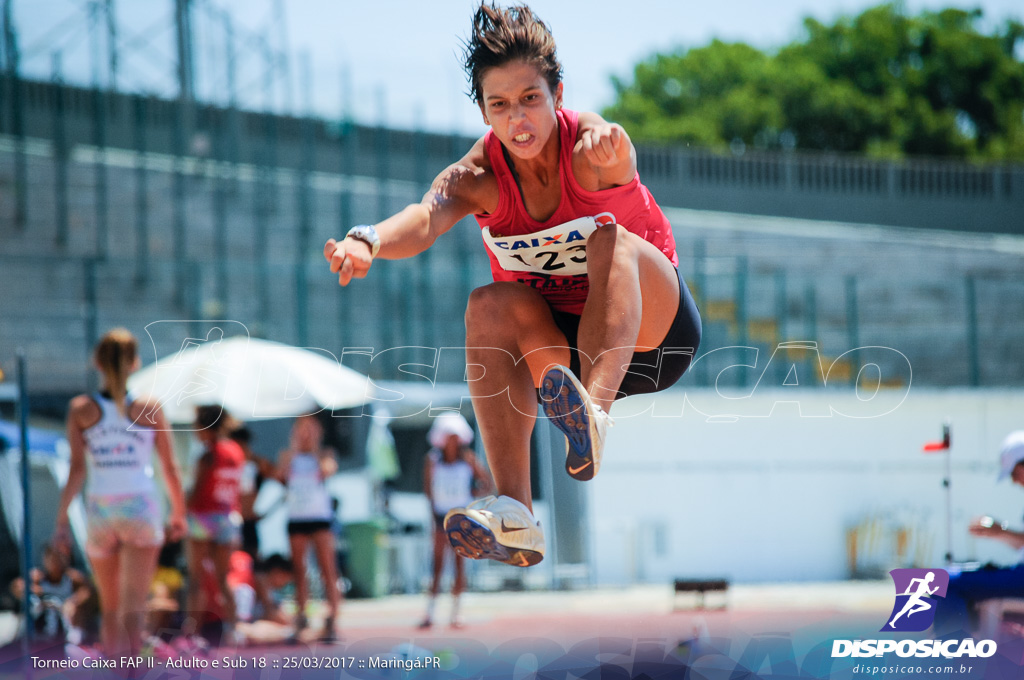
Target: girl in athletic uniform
{"x":112,"y":442}
{"x":451,"y":478}
{"x":304,"y":469}
{"x":214,"y":514}
{"x":587,"y":304}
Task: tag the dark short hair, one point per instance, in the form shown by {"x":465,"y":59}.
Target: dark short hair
{"x":242,"y":435}
{"x":275,"y":561}
{"x":504,"y":35}
{"x":210,"y":416}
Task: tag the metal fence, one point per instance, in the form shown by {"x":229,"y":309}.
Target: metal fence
{"x":928,"y":328}
{"x":780,"y":327}
{"x":123,"y":209}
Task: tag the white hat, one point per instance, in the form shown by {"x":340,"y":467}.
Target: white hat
{"x":447,"y":424}
{"x":1011,"y":453}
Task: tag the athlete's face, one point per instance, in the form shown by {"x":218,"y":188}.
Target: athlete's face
{"x":520,"y":107}
{"x":53,"y":565}
{"x":452,"y":445}
{"x":307,"y":434}
{"x":207,"y":436}
{"x":1017,"y":475}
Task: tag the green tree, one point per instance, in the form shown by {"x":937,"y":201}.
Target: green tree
{"x":881,"y":83}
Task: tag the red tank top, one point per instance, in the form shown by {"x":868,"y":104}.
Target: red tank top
{"x":219,"y":490}
{"x":630,"y":205}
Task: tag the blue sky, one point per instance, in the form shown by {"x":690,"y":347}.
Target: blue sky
{"x":401,"y":56}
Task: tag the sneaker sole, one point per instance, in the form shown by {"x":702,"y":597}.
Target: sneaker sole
{"x":564,"y":407}
{"x":475,"y":540}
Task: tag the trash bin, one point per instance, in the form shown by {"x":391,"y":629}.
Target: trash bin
{"x":368,"y":567}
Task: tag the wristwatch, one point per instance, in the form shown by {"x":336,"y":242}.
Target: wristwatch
{"x":368,"y":235}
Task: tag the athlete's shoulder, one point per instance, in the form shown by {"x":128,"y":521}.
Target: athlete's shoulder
{"x":84,"y":411}
{"x":588,"y":120}
{"x":470,"y":179}
{"x":146,"y":411}
{"x":83,"y":403}
{"x":231,"y":451}
{"x":476,"y":158}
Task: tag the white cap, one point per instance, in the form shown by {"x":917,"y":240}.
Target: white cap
{"x":447,"y":424}
{"x":1011,"y":453}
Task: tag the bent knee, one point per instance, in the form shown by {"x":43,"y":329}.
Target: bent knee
{"x":503,"y":300}
{"x":611,"y":241}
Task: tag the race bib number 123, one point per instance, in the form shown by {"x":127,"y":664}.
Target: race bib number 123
{"x":556,"y":251}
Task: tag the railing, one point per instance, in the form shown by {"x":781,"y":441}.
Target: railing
{"x":826,"y":173}
{"x":83,"y":111}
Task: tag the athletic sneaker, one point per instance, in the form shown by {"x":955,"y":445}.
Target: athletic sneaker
{"x":496,"y":528}
{"x":329,"y":632}
{"x":583,"y":422}
{"x":301,"y":624}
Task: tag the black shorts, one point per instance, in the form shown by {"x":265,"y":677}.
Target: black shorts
{"x":308,"y":527}
{"x":250,"y":537}
{"x":654,"y":370}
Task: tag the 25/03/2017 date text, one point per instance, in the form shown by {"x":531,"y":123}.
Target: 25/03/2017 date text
{"x":405,"y":664}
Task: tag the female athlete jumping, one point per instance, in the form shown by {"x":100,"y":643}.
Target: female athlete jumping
{"x":587,"y":304}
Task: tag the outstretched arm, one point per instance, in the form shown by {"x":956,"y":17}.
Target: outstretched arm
{"x":998,"y":531}
{"x":460,"y":190}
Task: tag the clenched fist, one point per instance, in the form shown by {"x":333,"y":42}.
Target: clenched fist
{"x":605,"y":145}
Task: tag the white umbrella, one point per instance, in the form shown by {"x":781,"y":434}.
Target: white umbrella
{"x":252,"y":379}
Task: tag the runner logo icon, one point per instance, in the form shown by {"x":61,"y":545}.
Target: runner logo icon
{"x":916,"y":593}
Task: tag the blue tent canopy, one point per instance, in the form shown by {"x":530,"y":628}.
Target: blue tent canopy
{"x":39,"y":441}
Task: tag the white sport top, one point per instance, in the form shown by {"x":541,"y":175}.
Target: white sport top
{"x":450,"y":483}
{"x":308,"y":499}
{"x":119,"y":453}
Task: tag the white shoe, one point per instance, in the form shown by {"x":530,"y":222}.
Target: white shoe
{"x":496,"y":528}
{"x":584,"y":423}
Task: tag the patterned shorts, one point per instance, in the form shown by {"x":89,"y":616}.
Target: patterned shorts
{"x":115,"y":520}
{"x":224,"y":528}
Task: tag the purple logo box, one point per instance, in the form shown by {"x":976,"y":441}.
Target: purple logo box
{"x":917,"y":591}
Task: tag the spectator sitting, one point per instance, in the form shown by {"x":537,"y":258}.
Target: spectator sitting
{"x":955,"y":613}
{"x":60,"y":598}
{"x":258,"y":594}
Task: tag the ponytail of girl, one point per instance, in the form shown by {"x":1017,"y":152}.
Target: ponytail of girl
{"x":115,"y":357}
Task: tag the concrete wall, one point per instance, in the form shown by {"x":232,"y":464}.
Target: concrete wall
{"x":772,"y":497}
